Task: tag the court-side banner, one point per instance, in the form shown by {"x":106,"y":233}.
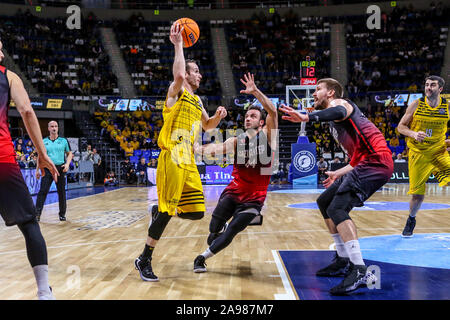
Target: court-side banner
{"x":215,"y":174}
{"x":304,"y":164}
{"x":48,"y":104}
{"x":400,"y":174}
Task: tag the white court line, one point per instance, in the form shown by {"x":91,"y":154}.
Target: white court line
{"x":289,"y":295}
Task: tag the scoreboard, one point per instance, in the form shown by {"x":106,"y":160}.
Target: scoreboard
{"x":308,"y":72}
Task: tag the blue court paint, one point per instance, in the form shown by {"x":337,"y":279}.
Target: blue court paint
{"x":422,"y":250}
{"x":398,"y":282}
{"x":379,"y":206}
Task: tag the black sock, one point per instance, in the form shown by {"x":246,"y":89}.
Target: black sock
{"x":148,"y":251}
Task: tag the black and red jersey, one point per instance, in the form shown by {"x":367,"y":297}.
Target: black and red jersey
{"x":358,"y":136}
{"x":7,"y":153}
{"x":251,"y":169}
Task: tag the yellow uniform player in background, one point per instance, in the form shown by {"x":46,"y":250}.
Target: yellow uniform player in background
{"x":425,"y":125}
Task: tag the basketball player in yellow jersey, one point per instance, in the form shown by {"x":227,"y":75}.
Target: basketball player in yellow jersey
{"x":180,"y":190}
{"x":425,"y":124}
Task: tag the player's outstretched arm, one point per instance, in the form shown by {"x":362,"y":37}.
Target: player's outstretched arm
{"x":22,"y":101}
{"x":179,"y":65}
{"x":272,"y":115}
{"x":403,"y":125}
{"x":213,"y":149}
{"x":293,"y":115}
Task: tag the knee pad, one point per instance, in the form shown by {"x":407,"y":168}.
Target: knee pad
{"x":340,"y":207}
{"x":338,"y":215}
{"x":157,"y":227}
{"x":191,"y":215}
{"x":323,"y":205}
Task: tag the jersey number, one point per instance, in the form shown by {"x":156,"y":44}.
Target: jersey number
{"x":429,"y":132}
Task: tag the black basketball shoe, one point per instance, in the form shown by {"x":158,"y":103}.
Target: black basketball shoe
{"x":144,"y":267}
{"x":339,"y":267}
{"x":409,"y":227}
{"x":357,"y":277}
{"x":199,"y":264}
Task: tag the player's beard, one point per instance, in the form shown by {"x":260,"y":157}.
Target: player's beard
{"x":319,"y":105}
{"x":433,"y":95}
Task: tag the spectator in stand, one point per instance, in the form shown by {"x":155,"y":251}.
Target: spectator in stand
{"x":322,"y":165}
{"x":29,"y":147}
{"x":17,"y":142}
{"x":120,"y":138}
{"x":129,"y":171}
{"x":394,"y":141}
{"x":142,"y":171}
{"x":32,"y":163}
{"x":134,"y":143}
{"x":129,"y":150}
{"x":110,"y":179}
{"x":399,"y":158}
{"x":87,"y":154}
{"x":97,"y":159}
{"x":336,"y":160}
{"x":19,"y":150}
{"x":22,"y":161}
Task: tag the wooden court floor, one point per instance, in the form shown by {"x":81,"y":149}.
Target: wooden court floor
{"x":91,"y":255}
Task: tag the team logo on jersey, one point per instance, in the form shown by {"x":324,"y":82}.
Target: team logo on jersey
{"x":304,"y":161}
{"x":441,"y":111}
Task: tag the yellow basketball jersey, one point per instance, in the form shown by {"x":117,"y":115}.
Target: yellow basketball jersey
{"x":182,"y":123}
{"x":432,"y":121}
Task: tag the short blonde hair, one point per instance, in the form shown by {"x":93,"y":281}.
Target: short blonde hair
{"x":333,"y":84}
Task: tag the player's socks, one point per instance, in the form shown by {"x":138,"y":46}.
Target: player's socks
{"x":41,"y":275}
{"x":207,"y":254}
{"x":354,"y":252}
{"x":340,"y":247}
{"x":148,"y":251}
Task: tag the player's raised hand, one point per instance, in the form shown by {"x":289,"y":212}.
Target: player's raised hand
{"x":332,"y":176}
{"x":43,"y":161}
{"x":221,"y":112}
{"x":249,"y":83}
{"x":292,"y":114}
{"x":420,"y":136}
{"x":175,"y":34}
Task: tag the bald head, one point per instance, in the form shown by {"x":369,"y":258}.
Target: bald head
{"x":53,"y":128}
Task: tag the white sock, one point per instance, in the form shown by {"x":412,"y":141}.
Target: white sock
{"x":41,"y":275}
{"x":340,"y":247}
{"x":207,"y":254}
{"x":354,"y":252}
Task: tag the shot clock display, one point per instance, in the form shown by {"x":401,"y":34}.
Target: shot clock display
{"x":308,"y":72}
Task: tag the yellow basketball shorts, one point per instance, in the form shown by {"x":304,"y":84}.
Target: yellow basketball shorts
{"x":421,"y":166}
{"x":178,"y":189}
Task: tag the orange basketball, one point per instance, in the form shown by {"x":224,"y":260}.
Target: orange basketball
{"x":191,"y":32}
